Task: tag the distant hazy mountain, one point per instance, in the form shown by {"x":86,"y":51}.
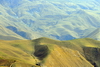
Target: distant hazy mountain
{"x":50,"y":18}
{"x":95,"y":34}
{"x":6,"y":34}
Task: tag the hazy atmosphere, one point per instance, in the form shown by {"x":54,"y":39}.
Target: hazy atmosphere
{"x":49,"y":33}
{"x":56,"y":19}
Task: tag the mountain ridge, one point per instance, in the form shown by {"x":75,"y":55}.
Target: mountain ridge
{"x":56,"y":20}
{"x":74,"y":50}
{"x":95,"y":34}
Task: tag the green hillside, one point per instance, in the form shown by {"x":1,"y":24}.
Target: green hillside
{"x":47,"y":52}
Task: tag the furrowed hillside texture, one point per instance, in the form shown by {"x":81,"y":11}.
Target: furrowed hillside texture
{"x":56,"y":19}
{"x":45,"y":52}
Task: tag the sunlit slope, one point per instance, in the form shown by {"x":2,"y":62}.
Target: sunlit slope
{"x":86,"y":47}
{"x":14,"y":33}
{"x":64,"y":57}
{"x":95,"y":34}
{"x":49,"y":53}
{"x":66,"y":20}
{"x":2,"y":37}
{"x":6,"y":34}
{"x":16,"y":50}
{"x":91,"y":49}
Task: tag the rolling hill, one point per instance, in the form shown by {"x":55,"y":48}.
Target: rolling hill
{"x":64,"y":20}
{"x":46,"y":52}
{"x":69,"y":23}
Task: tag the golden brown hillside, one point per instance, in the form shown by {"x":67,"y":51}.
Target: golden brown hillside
{"x":45,"y":52}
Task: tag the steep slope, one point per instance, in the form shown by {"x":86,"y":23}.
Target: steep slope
{"x":19,"y":51}
{"x":50,"y":53}
{"x":64,"y":20}
{"x":95,"y":34}
{"x":2,"y":37}
{"x":64,"y":57}
{"x":92,"y":54}
{"x":85,"y":47}
{"x":6,"y":34}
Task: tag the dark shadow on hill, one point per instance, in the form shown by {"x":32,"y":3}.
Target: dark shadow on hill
{"x":41,"y":51}
{"x":92,"y":54}
{"x":21,"y":33}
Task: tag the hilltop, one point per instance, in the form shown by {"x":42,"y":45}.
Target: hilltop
{"x":50,"y":53}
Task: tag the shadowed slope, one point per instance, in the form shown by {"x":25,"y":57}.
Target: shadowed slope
{"x":50,"y":53}
{"x":58,"y":20}
{"x":75,"y":45}
{"x":65,"y":57}
{"x":41,"y":51}
{"x":6,"y":34}
{"x":95,"y":34}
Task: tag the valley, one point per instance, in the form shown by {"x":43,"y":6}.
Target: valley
{"x":60,"y":20}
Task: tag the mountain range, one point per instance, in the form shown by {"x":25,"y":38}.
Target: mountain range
{"x":49,"y":33}
{"x":56,"y":19}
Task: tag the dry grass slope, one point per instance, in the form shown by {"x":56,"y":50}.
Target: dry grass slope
{"x":60,"y":53}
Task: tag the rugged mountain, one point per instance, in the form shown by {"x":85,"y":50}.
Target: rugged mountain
{"x":64,"y":20}
{"x":95,"y":34}
{"x":46,"y":52}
